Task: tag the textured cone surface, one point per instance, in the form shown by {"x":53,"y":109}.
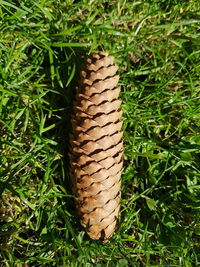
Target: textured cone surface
{"x":97,"y":146}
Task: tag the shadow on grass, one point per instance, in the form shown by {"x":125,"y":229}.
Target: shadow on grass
{"x":68,"y":64}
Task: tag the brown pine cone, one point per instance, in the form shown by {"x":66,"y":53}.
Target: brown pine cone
{"x":97,"y":146}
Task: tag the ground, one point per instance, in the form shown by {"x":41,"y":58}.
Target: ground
{"x":42,"y":47}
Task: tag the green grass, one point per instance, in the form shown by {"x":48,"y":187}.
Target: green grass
{"x":157,"y":46}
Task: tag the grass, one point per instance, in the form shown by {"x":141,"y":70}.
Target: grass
{"x":156,"y":44}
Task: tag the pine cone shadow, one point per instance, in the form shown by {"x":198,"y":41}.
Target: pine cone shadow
{"x":68,"y":63}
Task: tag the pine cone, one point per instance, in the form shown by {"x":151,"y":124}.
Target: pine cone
{"x":97,"y":146}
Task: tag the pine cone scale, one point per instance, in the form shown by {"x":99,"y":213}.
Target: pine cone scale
{"x":90,"y":89}
{"x":98,"y":99}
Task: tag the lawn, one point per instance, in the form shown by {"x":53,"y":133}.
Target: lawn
{"x":156,"y":44}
